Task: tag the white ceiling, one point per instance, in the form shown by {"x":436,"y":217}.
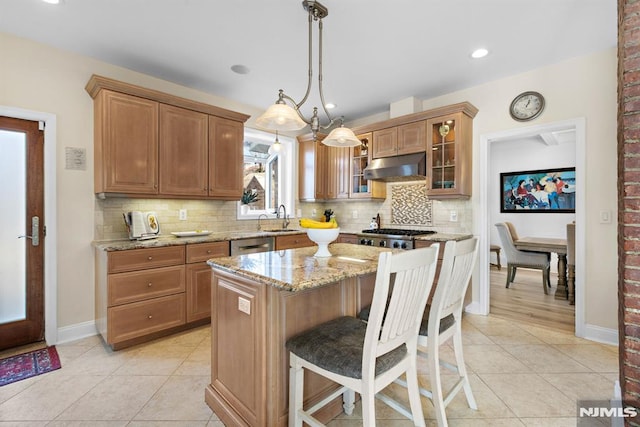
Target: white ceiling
{"x":375,"y":52}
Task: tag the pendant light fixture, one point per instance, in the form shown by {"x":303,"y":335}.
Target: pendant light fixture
{"x":276,"y":147}
{"x":282,"y":116}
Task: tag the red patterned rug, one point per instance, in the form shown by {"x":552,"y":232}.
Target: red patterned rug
{"x":27,"y":365}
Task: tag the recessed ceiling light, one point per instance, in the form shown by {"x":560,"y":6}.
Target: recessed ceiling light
{"x":330,"y":105}
{"x":52,"y":1}
{"x":479,"y":53}
{"x":240,"y":69}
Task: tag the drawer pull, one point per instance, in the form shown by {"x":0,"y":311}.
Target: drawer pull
{"x":149,"y":284}
{"x":150,"y":316}
{"x":209,"y":251}
{"x":150,"y":258}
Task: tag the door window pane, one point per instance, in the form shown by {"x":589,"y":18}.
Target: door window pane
{"x":12,"y":224}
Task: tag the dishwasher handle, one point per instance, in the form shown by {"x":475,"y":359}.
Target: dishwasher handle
{"x":251,"y":246}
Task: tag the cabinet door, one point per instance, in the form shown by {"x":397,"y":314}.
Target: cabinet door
{"x":449,"y":144}
{"x":359,"y":158}
{"x":198,"y":291}
{"x":313,"y":159}
{"x":385,"y":143}
{"x":225,"y":158}
{"x":183,"y":152}
{"x":412,"y":138}
{"x":126,"y":144}
{"x":338,"y":173}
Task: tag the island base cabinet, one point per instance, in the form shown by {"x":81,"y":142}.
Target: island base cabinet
{"x":251,"y":323}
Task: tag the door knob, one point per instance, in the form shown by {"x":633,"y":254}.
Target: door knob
{"x":35,"y":231}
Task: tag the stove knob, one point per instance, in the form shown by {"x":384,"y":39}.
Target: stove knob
{"x":363,"y":241}
{"x":370,"y":242}
{"x":383,"y":243}
{"x":403,"y":246}
{"x":396,"y":245}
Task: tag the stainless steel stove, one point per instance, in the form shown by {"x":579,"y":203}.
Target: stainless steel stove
{"x":391,"y":237}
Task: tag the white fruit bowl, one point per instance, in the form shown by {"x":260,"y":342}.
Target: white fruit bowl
{"x":322,"y":237}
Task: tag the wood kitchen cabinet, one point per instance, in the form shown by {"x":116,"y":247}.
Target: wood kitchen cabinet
{"x":348,"y":238}
{"x":125,"y":144}
{"x":142,"y":294}
{"x":360,"y":157}
{"x":139,"y":292}
{"x":152,"y":144}
{"x":404,"y":139}
{"x":449,"y":140}
{"x":183,"y":142}
{"x":313,"y":158}
{"x":226,"y":158}
{"x":334,"y":173}
{"x":198,"y":277}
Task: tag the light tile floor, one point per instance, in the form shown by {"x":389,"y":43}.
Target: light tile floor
{"x":521,"y":375}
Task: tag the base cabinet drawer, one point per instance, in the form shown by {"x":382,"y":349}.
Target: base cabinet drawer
{"x":146,"y":284}
{"x":293,"y":241}
{"x":139,"y":259}
{"x":145,"y":317}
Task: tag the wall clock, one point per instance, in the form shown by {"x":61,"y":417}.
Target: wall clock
{"x":526,"y":106}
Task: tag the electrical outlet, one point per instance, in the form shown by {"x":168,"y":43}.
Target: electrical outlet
{"x":354,"y":214}
{"x":313,"y":213}
{"x":244,"y":305}
{"x":453,"y":216}
{"x":182,"y":215}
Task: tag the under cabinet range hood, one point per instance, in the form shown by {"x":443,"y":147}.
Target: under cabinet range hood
{"x":407,"y":167}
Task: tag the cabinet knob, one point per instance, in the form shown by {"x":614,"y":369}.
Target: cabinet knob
{"x":149,"y":284}
{"x":150,"y":317}
{"x":150,"y":258}
{"x":209,"y":251}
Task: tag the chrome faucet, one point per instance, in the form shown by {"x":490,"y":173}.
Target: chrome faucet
{"x":260,"y":216}
{"x":285,"y":217}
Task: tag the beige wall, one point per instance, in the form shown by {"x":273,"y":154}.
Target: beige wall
{"x":40,"y":78}
{"x":580,"y":87}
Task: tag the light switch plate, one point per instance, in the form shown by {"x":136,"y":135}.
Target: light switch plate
{"x":453,"y":216}
{"x":605,"y":217}
{"x":182,"y":214}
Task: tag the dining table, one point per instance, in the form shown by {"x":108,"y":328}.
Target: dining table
{"x":548,"y":245}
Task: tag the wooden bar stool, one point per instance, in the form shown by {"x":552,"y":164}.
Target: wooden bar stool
{"x":496,"y":249}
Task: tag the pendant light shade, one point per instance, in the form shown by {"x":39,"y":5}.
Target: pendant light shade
{"x":280,"y":117}
{"x":285,"y":115}
{"x":341,"y":137}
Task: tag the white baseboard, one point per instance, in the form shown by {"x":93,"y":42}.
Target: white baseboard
{"x":600,"y":334}
{"x":474,"y":308}
{"x":76,"y":332}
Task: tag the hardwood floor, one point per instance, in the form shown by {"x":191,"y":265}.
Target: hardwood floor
{"x":525,"y":300}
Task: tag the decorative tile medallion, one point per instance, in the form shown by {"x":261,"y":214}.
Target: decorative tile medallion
{"x":410,"y":205}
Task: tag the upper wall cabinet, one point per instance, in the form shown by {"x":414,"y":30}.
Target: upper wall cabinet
{"x":405,"y":139}
{"x":449,"y":145}
{"x":126,"y":144}
{"x":152,"y":144}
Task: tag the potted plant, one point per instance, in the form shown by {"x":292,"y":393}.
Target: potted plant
{"x":248,"y":197}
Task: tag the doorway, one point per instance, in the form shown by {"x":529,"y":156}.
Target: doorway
{"x":481,"y":284}
{"x":22,"y":232}
{"x":50,"y":193}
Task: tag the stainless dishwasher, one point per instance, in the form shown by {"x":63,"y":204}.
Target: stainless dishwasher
{"x":251,"y":245}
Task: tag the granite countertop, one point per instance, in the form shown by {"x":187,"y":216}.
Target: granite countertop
{"x":170,"y":240}
{"x":297,"y":269}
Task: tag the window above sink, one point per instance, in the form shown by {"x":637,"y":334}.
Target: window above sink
{"x":268,"y":175}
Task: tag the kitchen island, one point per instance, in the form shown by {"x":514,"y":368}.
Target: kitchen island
{"x":258,"y":302}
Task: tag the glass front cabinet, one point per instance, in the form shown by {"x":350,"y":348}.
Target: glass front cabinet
{"x":361,"y":188}
{"x":449,"y":156}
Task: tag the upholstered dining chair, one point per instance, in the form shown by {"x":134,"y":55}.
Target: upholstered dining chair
{"x":365,"y":357}
{"x":571,"y":262}
{"x":525,"y":259}
{"x":443,"y":322}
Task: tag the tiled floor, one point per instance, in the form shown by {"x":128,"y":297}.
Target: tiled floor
{"x":521,"y":375}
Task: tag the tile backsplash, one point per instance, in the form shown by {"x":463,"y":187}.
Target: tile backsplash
{"x":352,"y":215}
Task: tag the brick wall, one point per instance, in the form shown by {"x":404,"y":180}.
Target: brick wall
{"x":629,"y":199}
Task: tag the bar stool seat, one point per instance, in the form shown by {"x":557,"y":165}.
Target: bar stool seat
{"x":496,"y":249}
